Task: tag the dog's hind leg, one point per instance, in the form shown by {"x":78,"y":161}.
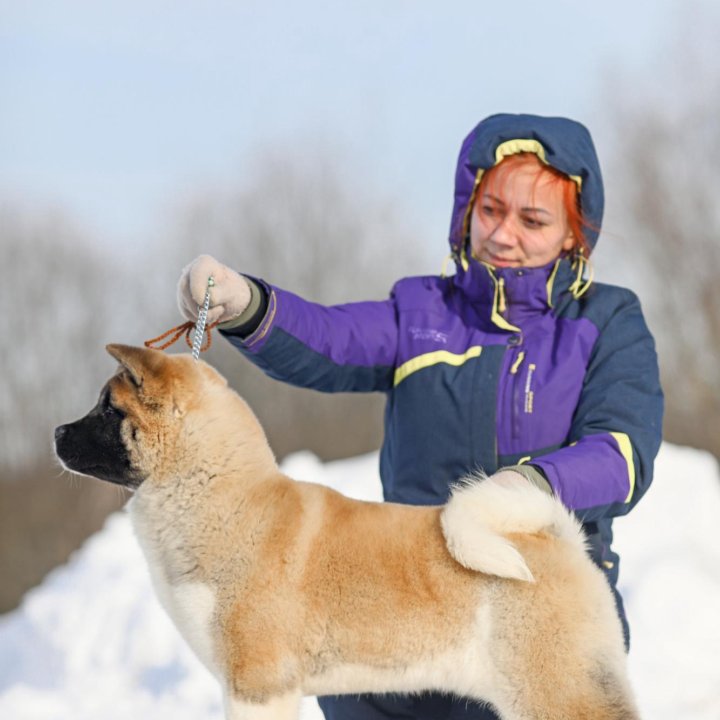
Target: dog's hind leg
{"x":284,"y":707}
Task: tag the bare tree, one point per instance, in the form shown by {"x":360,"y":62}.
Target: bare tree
{"x":56,"y":296}
{"x":666,"y":183}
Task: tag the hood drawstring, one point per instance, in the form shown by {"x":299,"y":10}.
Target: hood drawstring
{"x":581,"y":285}
{"x":446,"y":261}
{"x":460,"y":260}
{"x":501,"y":301}
{"x":499,"y":305}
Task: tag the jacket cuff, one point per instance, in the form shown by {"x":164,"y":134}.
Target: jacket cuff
{"x":533,"y":475}
{"x":249,"y":319}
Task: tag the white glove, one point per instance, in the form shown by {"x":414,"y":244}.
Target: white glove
{"x":516,"y":477}
{"x":229,"y":295}
{"x":508,"y":479}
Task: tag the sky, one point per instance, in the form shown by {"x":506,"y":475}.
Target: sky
{"x":92,"y":641}
{"x":115,"y":110}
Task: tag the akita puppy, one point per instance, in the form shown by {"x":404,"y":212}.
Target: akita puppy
{"x":287,"y":588}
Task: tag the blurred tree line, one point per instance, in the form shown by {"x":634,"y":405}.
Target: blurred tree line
{"x":664,"y":173}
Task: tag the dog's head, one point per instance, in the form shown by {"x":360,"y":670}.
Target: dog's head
{"x":151,"y":420}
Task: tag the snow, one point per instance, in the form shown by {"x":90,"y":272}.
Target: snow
{"x":91,"y":641}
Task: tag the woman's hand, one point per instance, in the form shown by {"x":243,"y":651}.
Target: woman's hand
{"x":508,"y":479}
{"x":229,"y":295}
{"x":516,"y":476}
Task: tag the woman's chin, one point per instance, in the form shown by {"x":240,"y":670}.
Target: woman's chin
{"x":502,"y":262}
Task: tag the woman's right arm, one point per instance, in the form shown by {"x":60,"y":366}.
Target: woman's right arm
{"x":341,"y":348}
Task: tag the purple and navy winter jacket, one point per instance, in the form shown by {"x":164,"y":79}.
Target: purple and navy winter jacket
{"x":565,"y":382}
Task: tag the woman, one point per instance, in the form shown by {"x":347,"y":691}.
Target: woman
{"x":517,"y":363}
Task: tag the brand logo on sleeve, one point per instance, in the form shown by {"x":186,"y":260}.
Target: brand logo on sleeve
{"x":420,"y":333}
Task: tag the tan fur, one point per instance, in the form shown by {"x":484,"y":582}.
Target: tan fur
{"x":305,"y":591}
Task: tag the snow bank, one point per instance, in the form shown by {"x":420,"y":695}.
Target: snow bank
{"x":670,"y":579}
{"x":92,"y":641}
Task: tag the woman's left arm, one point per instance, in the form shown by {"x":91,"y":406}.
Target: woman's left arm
{"x":616,"y":432}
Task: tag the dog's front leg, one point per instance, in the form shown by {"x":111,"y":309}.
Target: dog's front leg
{"x":284,"y":707}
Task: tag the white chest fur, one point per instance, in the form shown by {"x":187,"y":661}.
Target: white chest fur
{"x":192,"y":608}
{"x":190,"y":605}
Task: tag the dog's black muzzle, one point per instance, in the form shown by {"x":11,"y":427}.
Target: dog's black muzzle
{"x":93,"y":446}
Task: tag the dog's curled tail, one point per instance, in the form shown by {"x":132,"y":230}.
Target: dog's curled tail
{"x":479,"y":513}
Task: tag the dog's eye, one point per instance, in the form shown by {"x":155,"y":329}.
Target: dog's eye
{"x":112,"y":410}
{"x":106,"y":407}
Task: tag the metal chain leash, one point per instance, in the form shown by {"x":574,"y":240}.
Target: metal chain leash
{"x":202,"y":321}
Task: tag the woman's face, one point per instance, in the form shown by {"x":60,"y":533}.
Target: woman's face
{"x":523,"y":223}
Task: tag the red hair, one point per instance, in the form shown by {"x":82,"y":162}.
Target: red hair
{"x":495,"y":177}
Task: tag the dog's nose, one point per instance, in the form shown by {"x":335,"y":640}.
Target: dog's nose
{"x":60,"y":432}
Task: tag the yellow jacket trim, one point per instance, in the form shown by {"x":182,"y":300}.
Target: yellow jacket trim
{"x":520,"y":145}
{"x":625,"y":446}
{"x":434,"y":358}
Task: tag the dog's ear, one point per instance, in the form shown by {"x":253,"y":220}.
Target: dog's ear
{"x":141,"y":363}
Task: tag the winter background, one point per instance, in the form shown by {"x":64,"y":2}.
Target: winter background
{"x":92,"y":641}
{"x":286,"y":137}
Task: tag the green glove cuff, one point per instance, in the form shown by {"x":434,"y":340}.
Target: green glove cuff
{"x":533,"y":475}
{"x":249,"y":312}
